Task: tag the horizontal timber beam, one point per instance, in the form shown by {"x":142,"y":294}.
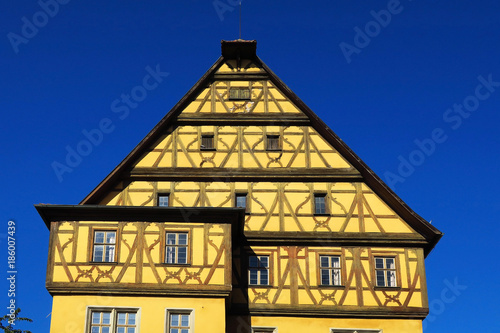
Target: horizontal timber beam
{"x":241,"y":77}
{"x":244,"y":118}
{"x":336,"y":238}
{"x":121,"y":289}
{"x":229,"y":175}
{"x":387,"y":312}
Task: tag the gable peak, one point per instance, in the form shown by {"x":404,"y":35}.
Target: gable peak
{"x":239,"y":49}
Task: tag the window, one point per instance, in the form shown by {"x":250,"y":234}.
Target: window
{"x":179,"y":321}
{"x":320,"y":204}
{"x":258,"y":270}
{"x":241,"y":201}
{"x":104,"y":246}
{"x":239,"y":94}
{"x":163,"y":200}
{"x":112,"y":321}
{"x":330,"y":270}
{"x":273,"y":142}
{"x":385,"y":271}
{"x":176,"y":248}
{"x":207,"y":142}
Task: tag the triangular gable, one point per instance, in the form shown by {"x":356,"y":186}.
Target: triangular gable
{"x":226,"y":65}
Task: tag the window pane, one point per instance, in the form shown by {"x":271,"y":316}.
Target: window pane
{"x":174,"y":330}
{"x":122,"y":318}
{"x":105,"y":330}
{"x":182,"y":255}
{"x":253,"y":277}
{"x":325,"y":277}
{"x":264,"y":261}
{"x":241,"y":201}
{"x":98,"y":252}
{"x":380,"y":278}
{"x":319,"y":204}
{"x":96,"y":317}
{"x":324,"y":261}
{"x":391,"y":279}
{"x":131,"y":318}
{"x":170,"y":255}
{"x":379,"y":263}
{"x":174,"y":320}
{"x":184,"y":331}
{"x":95,"y":330}
{"x":264,"y":277}
{"x":182,"y":239}
{"x":171,"y":239}
{"x":120,"y":330}
{"x":106,"y":317}
{"x":253,"y":261}
{"x":99,"y":237}
{"x":335,"y":262}
{"x":336,"y":277}
{"x":130,"y":330}
{"x":390,"y":263}
{"x":110,"y":253}
{"x":111,"y":237}
{"x":185,"y":320}
{"x":163,"y":200}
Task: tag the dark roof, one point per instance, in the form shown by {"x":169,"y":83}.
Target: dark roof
{"x":52,"y":213}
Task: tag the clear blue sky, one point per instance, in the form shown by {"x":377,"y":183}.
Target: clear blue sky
{"x":387,"y":89}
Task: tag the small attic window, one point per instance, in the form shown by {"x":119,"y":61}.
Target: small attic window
{"x":239,"y":94}
{"x":273,"y":142}
{"x":207,"y":142}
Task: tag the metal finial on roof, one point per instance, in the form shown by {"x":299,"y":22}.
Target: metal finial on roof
{"x":240,"y":19}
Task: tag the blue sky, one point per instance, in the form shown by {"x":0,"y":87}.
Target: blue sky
{"x":415,"y":94}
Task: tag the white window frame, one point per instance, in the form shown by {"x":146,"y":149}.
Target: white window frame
{"x":387,"y":271}
{"x":114,"y":311}
{"x":176,"y":246}
{"x":170,"y":311}
{"x":104,"y":244}
{"x":330,"y":269}
{"x":259,"y":270}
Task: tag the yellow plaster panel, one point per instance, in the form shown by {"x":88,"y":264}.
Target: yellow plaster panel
{"x":294,"y":324}
{"x":377,"y":205}
{"x":395,"y":225}
{"x":82,"y":254}
{"x":69,"y":313}
{"x":351,"y":298}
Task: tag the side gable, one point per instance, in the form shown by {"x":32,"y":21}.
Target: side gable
{"x":206,"y":104}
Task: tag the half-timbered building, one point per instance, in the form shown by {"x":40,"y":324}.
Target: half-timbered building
{"x":241,"y":211}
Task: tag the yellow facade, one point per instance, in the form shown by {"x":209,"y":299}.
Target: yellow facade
{"x":69,"y":313}
{"x":269,"y":223}
{"x":142,"y":264}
